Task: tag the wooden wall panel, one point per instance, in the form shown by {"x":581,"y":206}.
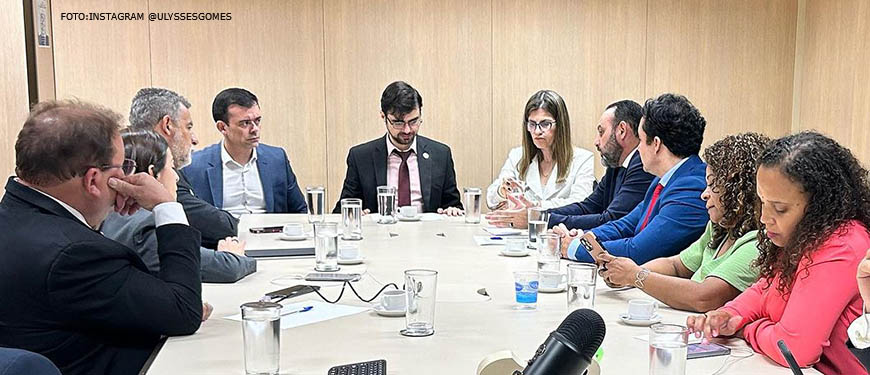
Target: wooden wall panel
{"x":835,"y":93}
{"x":101,"y":61}
{"x":273,"y":48}
{"x":733,"y":59}
{"x":13,"y":83}
{"x":442,"y":48}
{"x":581,"y":49}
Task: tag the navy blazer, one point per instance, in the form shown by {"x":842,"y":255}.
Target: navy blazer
{"x":678,"y":218}
{"x":620,"y":190}
{"x":280,"y":191}
{"x":367,"y":169}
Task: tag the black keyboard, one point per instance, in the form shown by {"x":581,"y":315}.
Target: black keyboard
{"x":376,"y":367}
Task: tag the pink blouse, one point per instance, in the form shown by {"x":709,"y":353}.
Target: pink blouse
{"x":813,"y":319}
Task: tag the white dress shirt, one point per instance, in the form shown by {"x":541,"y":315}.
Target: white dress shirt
{"x":576,"y":187}
{"x":243,"y":192}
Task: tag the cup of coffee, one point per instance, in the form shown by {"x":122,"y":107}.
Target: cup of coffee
{"x":552,"y":279}
{"x":515,"y":245}
{"x":394,"y":300}
{"x":408,"y":211}
{"x":348,"y":251}
{"x":293,"y":229}
{"x":642,"y":309}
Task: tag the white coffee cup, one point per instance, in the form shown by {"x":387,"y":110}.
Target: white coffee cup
{"x":348,"y":251}
{"x":293,"y":229}
{"x":515,"y":245}
{"x":552,"y":279}
{"x":408,"y":211}
{"x":642,"y":309}
{"x":394,"y":300}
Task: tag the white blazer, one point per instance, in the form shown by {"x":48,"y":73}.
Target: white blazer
{"x":576,"y":187}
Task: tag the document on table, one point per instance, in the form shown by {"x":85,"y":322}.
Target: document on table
{"x":319,"y":312}
{"x":488,"y":240}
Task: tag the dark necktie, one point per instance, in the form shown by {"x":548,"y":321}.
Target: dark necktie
{"x":652,"y":203}
{"x":404,"y":179}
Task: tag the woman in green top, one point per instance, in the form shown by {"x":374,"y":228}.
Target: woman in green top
{"x":717,"y":267}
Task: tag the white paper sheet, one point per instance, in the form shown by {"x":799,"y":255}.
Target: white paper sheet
{"x":321,"y":311}
{"x":496,"y":231}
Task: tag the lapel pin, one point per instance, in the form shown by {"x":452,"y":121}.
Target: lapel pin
{"x":425,"y":155}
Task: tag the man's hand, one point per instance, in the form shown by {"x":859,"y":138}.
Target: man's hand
{"x":567,"y":236}
{"x":206,"y":310}
{"x":451,"y":211}
{"x":232,"y":245}
{"x":141,"y":189}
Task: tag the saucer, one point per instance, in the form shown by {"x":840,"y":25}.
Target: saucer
{"x":301,"y":237}
{"x":514,"y":253}
{"x":558,"y":289}
{"x":632,"y":322}
{"x":412,"y":218}
{"x":380,"y":310}
{"x":349,"y":262}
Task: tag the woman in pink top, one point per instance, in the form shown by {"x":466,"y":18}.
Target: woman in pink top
{"x":815,"y":211}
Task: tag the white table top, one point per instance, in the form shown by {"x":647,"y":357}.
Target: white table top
{"x":467,"y":327}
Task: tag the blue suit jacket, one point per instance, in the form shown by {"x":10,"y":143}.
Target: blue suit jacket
{"x":678,"y":218}
{"x":620,"y":190}
{"x":280,"y":190}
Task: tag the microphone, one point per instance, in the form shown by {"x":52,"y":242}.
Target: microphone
{"x":570,"y":348}
{"x":789,"y":358}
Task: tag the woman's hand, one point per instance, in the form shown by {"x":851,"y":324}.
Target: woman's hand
{"x":714,"y":324}
{"x":617,"y":270}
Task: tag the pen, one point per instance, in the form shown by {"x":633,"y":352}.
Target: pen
{"x":300,"y":310}
{"x":496,"y":238}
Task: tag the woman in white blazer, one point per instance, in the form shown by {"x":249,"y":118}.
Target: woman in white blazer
{"x":547,"y":168}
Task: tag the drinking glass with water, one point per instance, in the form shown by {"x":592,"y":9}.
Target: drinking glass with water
{"x":581,"y":285}
{"x":261,"y":333}
{"x":526,"y":286}
{"x":326,"y":247}
{"x":472,"y":205}
{"x":351,"y":219}
{"x":538,"y":218}
{"x":315,"y":196}
{"x":549,"y":252}
{"x":668,"y":347}
{"x":420,"y":286}
{"x":387,"y":205}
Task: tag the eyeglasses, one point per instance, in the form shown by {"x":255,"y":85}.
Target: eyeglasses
{"x":399,"y":125}
{"x":543,"y":125}
{"x":128,"y":166}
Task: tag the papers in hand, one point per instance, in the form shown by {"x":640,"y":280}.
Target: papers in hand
{"x":496,"y":231}
{"x":319,"y":311}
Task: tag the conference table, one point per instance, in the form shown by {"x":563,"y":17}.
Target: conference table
{"x":468,"y":325}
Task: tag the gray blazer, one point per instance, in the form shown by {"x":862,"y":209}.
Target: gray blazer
{"x":138,"y":232}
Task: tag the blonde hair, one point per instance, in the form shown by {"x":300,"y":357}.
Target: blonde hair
{"x":563,"y":151}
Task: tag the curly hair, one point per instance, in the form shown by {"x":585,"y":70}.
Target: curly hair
{"x":837,"y":190}
{"x":733,"y":161}
{"x":676,"y":122}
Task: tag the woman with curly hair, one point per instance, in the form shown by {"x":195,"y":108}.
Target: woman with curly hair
{"x":815,"y":215}
{"x":717,"y":267}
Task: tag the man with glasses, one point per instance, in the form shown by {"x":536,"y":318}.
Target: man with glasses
{"x":240,"y":174}
{"x":86,"y":302}
{"x":419,"y":168}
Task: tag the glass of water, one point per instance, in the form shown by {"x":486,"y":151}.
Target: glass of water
{"x":581,"y":285}
{"x":526,"y":286}
{"x":261,"y":332}
{"x":326,"y":247}
{"x":472,"y":205}
{"x":387,"y":205}
{"x":420,"y":286}
{"x":315,"y":196}
{"x":549,"y":252}
{"x":668,"y":347}
{"x":538,"y":218}
{"x":351,"y":219}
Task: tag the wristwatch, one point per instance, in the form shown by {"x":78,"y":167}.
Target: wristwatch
{"x":640,"y":277}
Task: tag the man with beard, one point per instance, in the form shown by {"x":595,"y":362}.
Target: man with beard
{"x":419,"y":168}
{"x":624,"y":182}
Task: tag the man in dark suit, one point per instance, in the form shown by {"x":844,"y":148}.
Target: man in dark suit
{"x":421,"y":169}
{"x":86,"y":302}
{"x":240,"y":174}
{"x":168,"y":114}
{"x":622,"y":187}
{"x":672,"y":214}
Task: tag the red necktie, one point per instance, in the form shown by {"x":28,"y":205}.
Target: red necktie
{"x":652,"y":203}
{"x":404,"y":179}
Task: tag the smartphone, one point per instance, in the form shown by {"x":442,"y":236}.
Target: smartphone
{"x":260,"y":230}
{"x":707,"y":350}
{"x":592,"y":246}
{"x":293,"y":291}
{"x":331,"y":276}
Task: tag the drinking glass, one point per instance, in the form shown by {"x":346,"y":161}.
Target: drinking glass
{"x":538,"y":218}
{"x":549,"y":252}
{"x":326,"y":247}
{"x":472,"y":205}
{"x":526,"y":286}
{"x":668,"y":347}
{"x":315,"y":197}
{"x":387,"y":205}
{"x":581,"y":285}
{"x":351,"y":218}
{"x":261,"y":333}
{"x":420,"y":286}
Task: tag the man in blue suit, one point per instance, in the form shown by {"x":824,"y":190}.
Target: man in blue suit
{"x":672,"y":214}
{"x":239,"y":174}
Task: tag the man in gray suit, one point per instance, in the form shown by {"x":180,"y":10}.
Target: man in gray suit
{"x":421,"y":169}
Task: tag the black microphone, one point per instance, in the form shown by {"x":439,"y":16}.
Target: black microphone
{"x":570,"y":348}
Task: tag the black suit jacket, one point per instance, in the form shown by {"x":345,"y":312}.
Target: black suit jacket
{"x":367,"y":169}
{"x":619,"y":192}
{"x":212,"y":223}
{"x":84,"y":301}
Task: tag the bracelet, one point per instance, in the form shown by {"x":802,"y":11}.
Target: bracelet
{"x":640,"y":277}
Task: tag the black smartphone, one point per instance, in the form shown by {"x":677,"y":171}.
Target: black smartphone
{"x":260,"y":230}
{"x":293,"y":291}
{"x":707,"y":350}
